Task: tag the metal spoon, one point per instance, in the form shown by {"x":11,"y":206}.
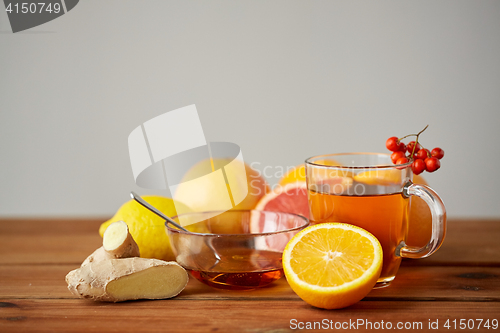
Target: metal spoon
{"x":156,"y":211}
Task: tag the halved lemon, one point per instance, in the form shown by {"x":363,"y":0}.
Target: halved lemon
{"x":332,"y":265}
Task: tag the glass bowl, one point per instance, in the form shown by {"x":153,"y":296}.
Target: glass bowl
{"x":235,"y":250}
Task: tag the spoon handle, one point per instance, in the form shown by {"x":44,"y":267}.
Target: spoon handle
{"x":156,"y":211}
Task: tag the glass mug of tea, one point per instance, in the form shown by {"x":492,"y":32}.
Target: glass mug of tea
{"x":369,"y":191}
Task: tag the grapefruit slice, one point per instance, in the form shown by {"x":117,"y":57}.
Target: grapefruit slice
{"x":291,"y":198}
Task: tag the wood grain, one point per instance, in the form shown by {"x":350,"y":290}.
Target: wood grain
{"x":412,"y":283}
{"x":48,"y":241}
{"x":179,"y":315}
{"x":460,"y":281}
{"x":468,"y":242}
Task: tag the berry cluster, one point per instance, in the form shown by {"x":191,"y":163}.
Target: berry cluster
{"x":423,"y":159}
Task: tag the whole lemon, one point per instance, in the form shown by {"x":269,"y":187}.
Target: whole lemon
{"x":148,"y":229}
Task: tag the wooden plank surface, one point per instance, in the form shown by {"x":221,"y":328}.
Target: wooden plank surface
{"x":461,"y":281}
{"x":468,"y":242}
{"x":412,"y":283}
{"x":48,"y":241}
{"x":225,"y":315}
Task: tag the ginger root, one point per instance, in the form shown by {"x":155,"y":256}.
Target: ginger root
{"x":116,"y":280}
{"x":114,"y":273}
{"x":117,"y":243}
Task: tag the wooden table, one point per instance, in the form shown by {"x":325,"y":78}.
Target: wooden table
{"x":458,"y":285}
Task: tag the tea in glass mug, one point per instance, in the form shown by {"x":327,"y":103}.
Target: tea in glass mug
{"x":369,"y":191}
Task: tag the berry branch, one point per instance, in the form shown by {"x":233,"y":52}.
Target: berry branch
{"x":417,"y":135}
{"x":423,"y":159}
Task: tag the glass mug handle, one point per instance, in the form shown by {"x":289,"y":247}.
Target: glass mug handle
{"x":438,"y":213}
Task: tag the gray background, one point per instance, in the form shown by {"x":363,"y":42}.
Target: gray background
{"x":283,"y":79}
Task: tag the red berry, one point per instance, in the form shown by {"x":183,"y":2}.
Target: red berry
{"x":418,"y":166}
{"x":432,"y":164}
{"x":423,"y":154}
{"x":402,"y":160}
{"x":410,"y":145}
{"x":396,"y":156}
{"x":437,"y":153}
{"x":392,"y":144}
{"x":413,"y":154}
